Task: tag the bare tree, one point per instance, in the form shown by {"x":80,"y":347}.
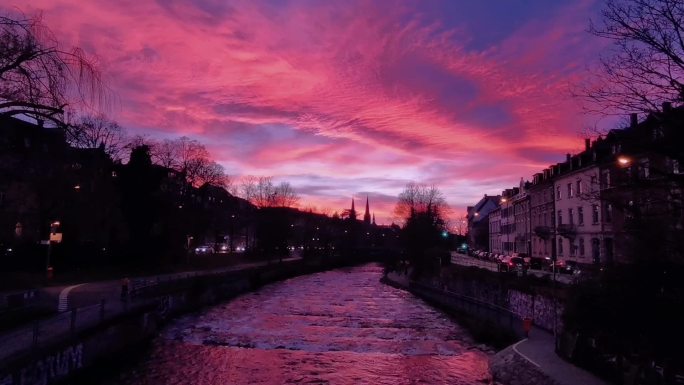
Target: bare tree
{"x":421,"y":199}
{"x":263,"y":193}
{"x":92,"y":131}
{"x":191,"y":158}
{"x":38,"y":78}
{"x":645,"y":66}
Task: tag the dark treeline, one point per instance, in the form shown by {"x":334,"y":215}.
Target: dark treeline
{"x":142,"y":213}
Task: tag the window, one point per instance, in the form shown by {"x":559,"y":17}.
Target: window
{"x":560,"y":217}
{"x":594,"y":183}
{"x":558,"y":193}
{"x":616,"y":148}
{"x":580,"y":215}
{"x":569,"y":190}
{"x":605,"y":179}
{"x":578,"y":189}
{"x":609,"y":212}
{"x":571,"y":218}
{"x":560,"y":246}
{"x":596,"y":250}
{"x":572,"y":248}
{"x":594,"y":214}
{"x":581,"y":246}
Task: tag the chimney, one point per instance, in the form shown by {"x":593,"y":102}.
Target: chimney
{"x":633,"y":120}
{"x":667,"y":107}
{"x":587,"y":144}
{"x":40,"y":122}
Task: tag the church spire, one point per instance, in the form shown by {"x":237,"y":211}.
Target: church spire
{"x":352,"y":212}
{"x":367,"y":216}
{"x":373,"y":219}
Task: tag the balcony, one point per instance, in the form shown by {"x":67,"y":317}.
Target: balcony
{"x":567,"y":230}
{"x":543,"y":232}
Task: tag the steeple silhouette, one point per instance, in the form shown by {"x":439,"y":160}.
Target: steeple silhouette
{"x":352,"y":212}
{"x":367,"y":216}
{"x":373,"y":219}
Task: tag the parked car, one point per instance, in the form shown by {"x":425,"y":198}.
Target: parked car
{"x":204,"y":250}
{"x":565,"y":267}
{"x":511,"y":264}
{"x":538,"y":263}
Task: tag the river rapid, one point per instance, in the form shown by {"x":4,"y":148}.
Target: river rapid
{"x":336,"y":327}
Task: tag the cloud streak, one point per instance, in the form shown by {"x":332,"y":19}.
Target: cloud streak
{"x":355,"y":95}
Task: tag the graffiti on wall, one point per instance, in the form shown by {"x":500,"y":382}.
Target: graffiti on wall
{"x":49,"y":368}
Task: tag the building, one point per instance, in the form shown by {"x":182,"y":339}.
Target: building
{"x":495,"y":231}
{"x":478,"y":221}
{"x":542,"y":209}
{"x":521,"y":217}
{"x":507,"y":223}
{"x":580,"y":234}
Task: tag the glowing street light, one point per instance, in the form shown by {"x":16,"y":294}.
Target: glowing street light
{"x":624,"y":161}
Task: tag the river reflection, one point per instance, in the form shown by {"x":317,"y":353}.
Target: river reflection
{"x":336,"y":327}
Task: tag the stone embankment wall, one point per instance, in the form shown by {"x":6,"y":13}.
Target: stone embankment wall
{"x":538,"y":306}
{"x":496,"y":306}
{"x":57,"y":361}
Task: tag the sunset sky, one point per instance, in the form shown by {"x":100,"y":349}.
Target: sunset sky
{"x":347,"y":98}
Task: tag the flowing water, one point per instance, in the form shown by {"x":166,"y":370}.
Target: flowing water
{"x":335,"y":327}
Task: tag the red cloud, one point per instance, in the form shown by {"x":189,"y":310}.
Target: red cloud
{"x":371,"y":91}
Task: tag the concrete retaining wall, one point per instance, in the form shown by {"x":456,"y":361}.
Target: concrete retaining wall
{"x":59,"y":361}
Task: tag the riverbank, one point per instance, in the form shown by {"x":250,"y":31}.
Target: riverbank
{"x":530,"y":360}
{"x":85,"y":338}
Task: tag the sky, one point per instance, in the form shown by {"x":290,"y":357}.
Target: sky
{"x":347,"y":98}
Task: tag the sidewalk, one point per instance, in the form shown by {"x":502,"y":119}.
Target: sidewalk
{"x":539,"y":350}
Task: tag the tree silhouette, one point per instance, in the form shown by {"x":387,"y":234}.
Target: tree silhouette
{"x":262,"y":192}
{"x":191,"y":158}
{"x":645,"y":65}
{"x":92,"y":131}
{"x":38,"y":77}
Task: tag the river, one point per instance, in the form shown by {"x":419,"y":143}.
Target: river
{"x":336,"y":327}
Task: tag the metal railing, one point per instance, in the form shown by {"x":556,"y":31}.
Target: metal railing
{"x":42,"y":333}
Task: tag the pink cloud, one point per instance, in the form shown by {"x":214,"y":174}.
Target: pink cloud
{"x":361,"y":92}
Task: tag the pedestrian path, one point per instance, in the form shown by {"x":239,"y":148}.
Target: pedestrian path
{"x":539,"y":349}
{"x":63,"y":303}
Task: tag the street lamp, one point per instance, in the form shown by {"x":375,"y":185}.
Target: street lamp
{"x":624,"y":161}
